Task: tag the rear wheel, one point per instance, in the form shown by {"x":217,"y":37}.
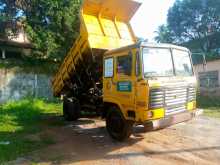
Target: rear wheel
{"x":71,"y":109}
{"x":117,"y":127}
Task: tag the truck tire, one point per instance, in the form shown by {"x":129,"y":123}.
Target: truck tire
{"x":117,"y":127}
{"x":71,"y":109}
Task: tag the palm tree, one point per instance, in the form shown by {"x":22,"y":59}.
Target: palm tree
{"x":163,"y":34}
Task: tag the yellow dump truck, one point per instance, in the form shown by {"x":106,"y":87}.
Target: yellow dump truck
{"x":109,"y":73}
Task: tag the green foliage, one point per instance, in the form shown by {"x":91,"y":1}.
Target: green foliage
{"x":8,"y":18}
{"x":211,"y":105}
{"x":30,"y":65}
{"x":20,"y":124}
{"x":52,"y":25}
{"x":198,"y":58}
{"x":192,"y":23}
{"x":190,"y":20}
{"x":163,"y":35}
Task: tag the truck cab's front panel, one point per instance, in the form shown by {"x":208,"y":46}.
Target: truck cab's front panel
{"x":165,"y":97}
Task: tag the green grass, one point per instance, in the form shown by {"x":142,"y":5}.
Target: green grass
{"x":19,"y":120}
{"x":211,"y":106}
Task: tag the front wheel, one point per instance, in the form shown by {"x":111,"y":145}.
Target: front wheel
{"x":117,"y":127}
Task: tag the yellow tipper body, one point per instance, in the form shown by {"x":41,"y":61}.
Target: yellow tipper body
{"x":104,"y":25}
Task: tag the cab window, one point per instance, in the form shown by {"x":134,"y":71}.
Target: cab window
{"x":108,"y":67}
{"x":124,"y":64}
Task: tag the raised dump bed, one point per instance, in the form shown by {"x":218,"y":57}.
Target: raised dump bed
{"x":104,"y":26}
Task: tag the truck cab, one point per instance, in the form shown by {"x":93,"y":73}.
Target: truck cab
{"x":148,"y":83}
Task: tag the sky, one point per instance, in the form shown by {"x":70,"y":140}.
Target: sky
{"x":149,"y":16}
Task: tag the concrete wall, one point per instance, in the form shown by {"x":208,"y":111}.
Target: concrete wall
{"x":16,"y":84}
{"x":210,"y":66}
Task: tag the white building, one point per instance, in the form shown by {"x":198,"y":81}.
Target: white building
{"x":16,"y":45}
{"x":208,"y":77}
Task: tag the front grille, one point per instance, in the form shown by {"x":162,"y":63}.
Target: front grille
{"x":174,"y":110}
{"x":175,"y":96}
{"x":173,"y":99}
{"x":191,"y":93}
{"x":156,"y":98}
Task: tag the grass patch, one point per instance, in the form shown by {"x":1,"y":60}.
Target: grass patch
{"x":211,"y":106}
{"x":20,"y":119}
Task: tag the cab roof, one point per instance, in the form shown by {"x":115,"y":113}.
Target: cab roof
{"x":146,"y":44}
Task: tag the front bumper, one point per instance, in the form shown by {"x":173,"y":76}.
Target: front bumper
{"x":171,"y":120}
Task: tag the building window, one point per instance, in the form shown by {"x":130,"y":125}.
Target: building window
{"x":209,"y":79}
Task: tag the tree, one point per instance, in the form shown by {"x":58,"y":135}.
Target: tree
{"x":8,"y":18}
{"x":163,"y":35}
{"x":198,"y":20}
{"x":52,"y":25}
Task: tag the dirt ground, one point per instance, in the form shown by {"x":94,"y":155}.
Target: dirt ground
{"x":87,"y":142}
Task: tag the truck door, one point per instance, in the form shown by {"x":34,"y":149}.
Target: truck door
{"x":125,"y":81}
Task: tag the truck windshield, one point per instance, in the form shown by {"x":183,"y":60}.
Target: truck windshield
{"x":182,"y":63}
{"x":158,"y":62}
